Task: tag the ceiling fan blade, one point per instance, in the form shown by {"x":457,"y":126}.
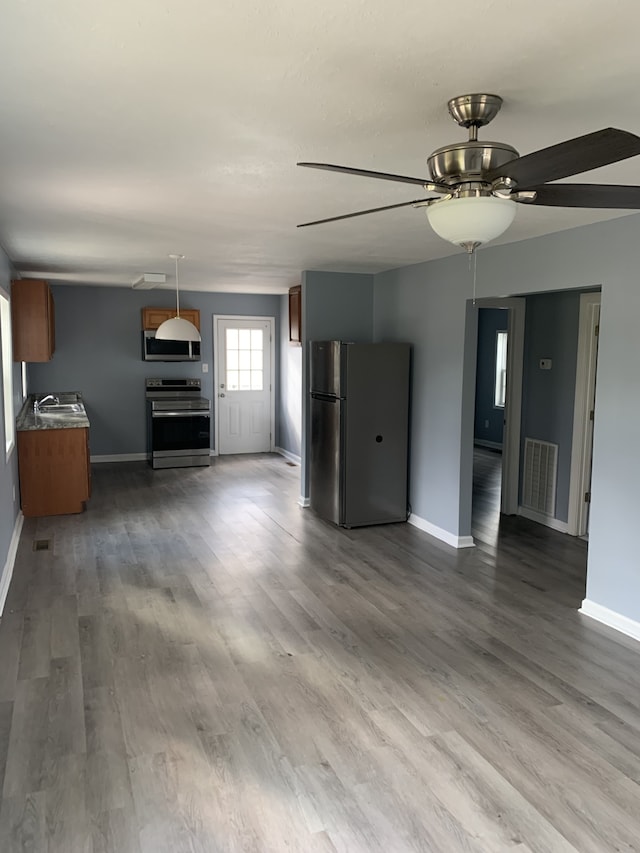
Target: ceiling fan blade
{"x":365,"y":173}
{"x":569,"y":158}
{"x":364,"y":212}
{"x":614,"y":197}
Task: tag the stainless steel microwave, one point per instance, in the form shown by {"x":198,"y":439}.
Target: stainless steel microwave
{"x":155,"y":350}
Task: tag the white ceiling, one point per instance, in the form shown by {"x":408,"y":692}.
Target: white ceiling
{"x":130,"y":129}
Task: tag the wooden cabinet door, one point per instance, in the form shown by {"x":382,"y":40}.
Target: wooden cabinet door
{"x":88,"y":464}
{"x":295,"y":315}
{"x":53,"y":471}
{"x":154,"y":317}
{"x":33,"y":320}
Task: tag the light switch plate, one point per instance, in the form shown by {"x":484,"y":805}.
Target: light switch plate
{"x":205,"y":367}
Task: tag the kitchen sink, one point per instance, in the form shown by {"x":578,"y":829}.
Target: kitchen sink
{"x":61,"y":409}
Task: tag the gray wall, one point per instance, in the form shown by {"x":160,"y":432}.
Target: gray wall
{"x":488,"y":421}
{"x":335,"y":307}
{"x":9,"y":506}
{"x":424,"y":305}
{"x":98,"y":352}
{"x":290,"y":386}
{"x":427,"y":305}
{"x":551,"y":331}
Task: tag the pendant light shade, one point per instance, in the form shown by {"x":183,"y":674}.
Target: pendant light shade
{"x":472,"y":220}
{"x":177,"y":328}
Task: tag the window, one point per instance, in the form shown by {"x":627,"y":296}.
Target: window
{"x":501,"y":370}
{"x":7,"y":372}
{"x":244,"y":359}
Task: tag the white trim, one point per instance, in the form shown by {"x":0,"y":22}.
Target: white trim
{"x":541,"y":518}
{"x":7,"y":571}
{"x":492,"y":445}
{"x":580,"y":476}
{"x":291,"y":457}
{"x":441,"y":533}
{"x":272,"y":378}
{"x":304,"y":502}
{"x":513,"y":408}
{"x":213,"y":452}
{"x":610,"y":618}
{"x":120,"y":457}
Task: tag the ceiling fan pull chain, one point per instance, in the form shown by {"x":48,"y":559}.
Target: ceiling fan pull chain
{"x":474,"y":272}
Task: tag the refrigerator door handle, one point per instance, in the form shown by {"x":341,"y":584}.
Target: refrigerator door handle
{"x":327,"y":398}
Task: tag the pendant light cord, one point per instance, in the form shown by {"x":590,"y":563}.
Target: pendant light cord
{"x":177,"y":289}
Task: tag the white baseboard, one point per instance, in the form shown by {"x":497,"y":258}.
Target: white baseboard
{"x":290,"y":457}
{"x":121,"y":457}
{"x":547,"y":520}
{"x":7,"y":571}
{"x":492,"y":445}
{"x":213,"y":453}
{"x":609,"y":617}
{"x":302,"y":501}
{"x":441,"y":533}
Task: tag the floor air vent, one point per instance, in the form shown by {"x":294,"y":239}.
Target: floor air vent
{"x":540,"y":470}
{"x":41,"y":544}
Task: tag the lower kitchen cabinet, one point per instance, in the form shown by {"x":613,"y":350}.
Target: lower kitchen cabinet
{"x":55,"y":472}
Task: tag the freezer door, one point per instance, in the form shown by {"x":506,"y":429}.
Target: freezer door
{"x":325,"y":367}
{"x":325,"y":471}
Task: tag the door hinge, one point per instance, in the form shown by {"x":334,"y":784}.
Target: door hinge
{"x":597,"y":330}
{"x":587,"y":497}
{"x":591,"y":415}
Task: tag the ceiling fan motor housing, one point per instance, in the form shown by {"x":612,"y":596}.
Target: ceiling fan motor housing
{"x":468,"y":161}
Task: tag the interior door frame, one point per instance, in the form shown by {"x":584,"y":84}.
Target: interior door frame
{"x":216,"y":379}
{"x":586,"y":368}
{"x":513,"y":402}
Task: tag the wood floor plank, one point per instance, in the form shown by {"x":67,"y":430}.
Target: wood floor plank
{"x":198,"y":664}
{"x":10,"y":643}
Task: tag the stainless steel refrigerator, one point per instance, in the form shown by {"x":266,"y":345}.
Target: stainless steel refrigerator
{"x":359,"y":431}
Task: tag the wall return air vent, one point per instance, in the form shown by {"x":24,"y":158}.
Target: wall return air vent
{"x":540,"y":475}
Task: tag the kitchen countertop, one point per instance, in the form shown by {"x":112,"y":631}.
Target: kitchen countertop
{"x":28,"y":420}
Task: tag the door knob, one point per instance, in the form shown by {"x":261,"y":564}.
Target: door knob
{"x":220,"y":395}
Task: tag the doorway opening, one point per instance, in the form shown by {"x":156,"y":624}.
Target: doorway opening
{"x":498,"y":400}
{"x":491,"y":385}
{"x":244,"y":363}
{"x":555,"y":448}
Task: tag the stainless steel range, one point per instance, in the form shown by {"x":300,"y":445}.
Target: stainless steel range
{"x":178,"y":423}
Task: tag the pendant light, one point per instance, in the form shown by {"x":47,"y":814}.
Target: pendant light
{"x":177,"y":328}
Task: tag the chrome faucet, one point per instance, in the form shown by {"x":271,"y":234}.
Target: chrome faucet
{"x":38,"y":403}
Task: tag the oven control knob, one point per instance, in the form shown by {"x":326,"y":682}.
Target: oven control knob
{"x":220,"y":395}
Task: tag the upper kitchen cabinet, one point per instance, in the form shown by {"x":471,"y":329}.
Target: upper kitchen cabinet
{"x":295,"y":315}
{"x":33,"y":320}
{"x":153,"y":317}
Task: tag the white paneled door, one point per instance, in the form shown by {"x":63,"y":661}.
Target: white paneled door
{"x":244,"y":383}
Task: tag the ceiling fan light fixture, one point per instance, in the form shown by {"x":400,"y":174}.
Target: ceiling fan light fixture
{"x":472,"y":220}
{"x":177,"y":328}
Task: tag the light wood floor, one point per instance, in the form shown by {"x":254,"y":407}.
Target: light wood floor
{"x":198,"y":664}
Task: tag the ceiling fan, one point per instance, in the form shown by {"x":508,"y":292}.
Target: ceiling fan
{"x":476,"y":184}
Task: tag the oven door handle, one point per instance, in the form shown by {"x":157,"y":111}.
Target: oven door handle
{"x":186,"y":414}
